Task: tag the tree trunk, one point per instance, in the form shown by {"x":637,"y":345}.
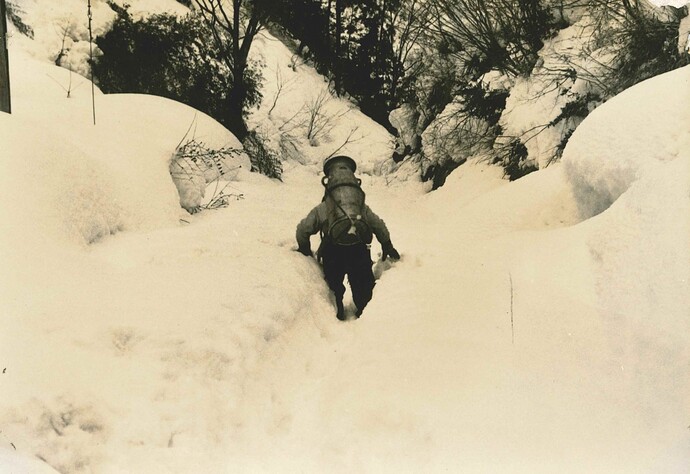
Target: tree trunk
{"x":235,"y":119}
{"x":337,"y":63}
{"x":239,"y":91}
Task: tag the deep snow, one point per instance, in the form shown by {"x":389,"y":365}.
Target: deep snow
{"x":534,"y":326}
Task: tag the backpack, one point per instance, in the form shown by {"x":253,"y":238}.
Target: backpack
{"x":344,"y":200}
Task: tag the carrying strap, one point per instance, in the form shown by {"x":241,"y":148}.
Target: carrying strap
{"x":357,"y":186}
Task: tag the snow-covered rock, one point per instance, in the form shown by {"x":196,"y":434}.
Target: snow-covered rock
{"x":405,"y":119}
{"x":684,"y":34}
{"x":455,"y":136}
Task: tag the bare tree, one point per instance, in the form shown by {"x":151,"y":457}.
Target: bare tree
{"x":505,"y":32}
{"x":280,"y":85}
{"x":319,"y":122}
{"x":349,"y":139}
{"x":408,"y":25}
{"x":234,"y":25}
{"x":64,"y":30}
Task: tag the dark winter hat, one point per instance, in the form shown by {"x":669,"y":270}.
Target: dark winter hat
{"x":346,"y":160}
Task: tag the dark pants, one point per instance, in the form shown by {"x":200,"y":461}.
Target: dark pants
{"x":355,"y":262}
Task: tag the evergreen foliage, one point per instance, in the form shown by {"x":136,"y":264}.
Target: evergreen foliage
{"x":171,"y":57}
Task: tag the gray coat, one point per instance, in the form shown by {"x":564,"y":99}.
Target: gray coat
{"x":317,"y":220}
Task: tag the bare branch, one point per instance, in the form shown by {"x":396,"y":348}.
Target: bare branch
{"x":347,"y":141}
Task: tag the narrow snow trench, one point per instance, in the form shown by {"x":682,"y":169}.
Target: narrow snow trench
{"x":429,"y":377}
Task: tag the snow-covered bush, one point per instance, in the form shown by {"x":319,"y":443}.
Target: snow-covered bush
{"x":531,"y":98}
{"x":636,"y":38}
{"x":264,"y":159}
{"x":459,"y":110}
{"x":608,"y":49}
{"x":513,"y":156}
{"x":195,"y":165}
{"x":454,"y":136}
{"x":467,"y":127}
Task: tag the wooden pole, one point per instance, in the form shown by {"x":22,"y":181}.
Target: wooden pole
{"x":93,"y":94}
{"x":5,"y":102}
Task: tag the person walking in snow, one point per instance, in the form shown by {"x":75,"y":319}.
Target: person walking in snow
{"x":346,"y":225}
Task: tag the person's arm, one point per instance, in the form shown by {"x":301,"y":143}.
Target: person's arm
{"x":307,"y":227}
{"x":379,"y":229}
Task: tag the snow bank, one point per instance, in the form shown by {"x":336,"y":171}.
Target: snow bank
{"x":157,"y":337}
{"x":631,"y":160}
{"x":51,"y":191}
{"x":641,"y":128}
{"x":132,"y":143}
{"x":641,"y":247}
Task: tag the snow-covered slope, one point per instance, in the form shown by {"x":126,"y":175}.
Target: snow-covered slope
{"x":517,"y":333}
{"x":300,"y":117}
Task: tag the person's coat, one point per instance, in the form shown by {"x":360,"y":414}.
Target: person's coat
{"x":317,"y":221}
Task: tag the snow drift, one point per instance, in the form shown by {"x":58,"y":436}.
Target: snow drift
{"x":640,"y":129}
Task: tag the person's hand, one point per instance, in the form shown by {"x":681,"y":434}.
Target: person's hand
{"x":389,"y":251}
{"x":306,"y":251}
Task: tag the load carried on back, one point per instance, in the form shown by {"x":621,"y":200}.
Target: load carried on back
{"x":345,"y":202}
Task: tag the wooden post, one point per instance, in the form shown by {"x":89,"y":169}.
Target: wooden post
{"x":93,"y":94}
{"x":5,"y":103}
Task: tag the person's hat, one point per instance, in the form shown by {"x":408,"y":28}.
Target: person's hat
{"x":346,"y":160}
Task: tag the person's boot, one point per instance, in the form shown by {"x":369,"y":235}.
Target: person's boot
{"x":340,"y":309}
{"x":359,"y":311}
